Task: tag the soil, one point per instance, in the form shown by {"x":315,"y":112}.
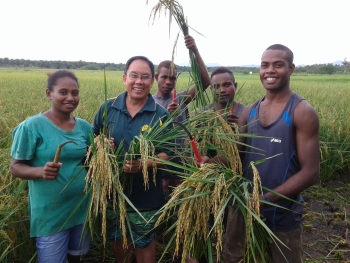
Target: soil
{"x":326,"y":221}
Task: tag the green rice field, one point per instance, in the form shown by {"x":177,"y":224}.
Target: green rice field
{"x":23,"y":95}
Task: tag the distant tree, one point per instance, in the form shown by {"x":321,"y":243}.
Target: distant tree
{"x":120,"y":66}
{"x":345,"y":65}
{"x":328,"y":69}
{"x":6,"y":61}
{"x":58,"y":64}
{"x":91,"y":67}
{"x":110,"y":68}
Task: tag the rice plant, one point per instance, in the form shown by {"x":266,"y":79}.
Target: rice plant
{"x":328,"y":94}
{"x":103,"y":184}
{"x":176,"y":12}
{"x":15,"y":244}
{"x":207,"y":191}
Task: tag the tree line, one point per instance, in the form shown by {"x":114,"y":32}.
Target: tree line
{"x":58,"y":64}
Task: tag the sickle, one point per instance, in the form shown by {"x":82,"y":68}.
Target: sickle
{"x":193,"y":143}
{"x":58,"y":151}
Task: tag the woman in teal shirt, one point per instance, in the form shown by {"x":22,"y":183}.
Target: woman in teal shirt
{"x":56,"y":190}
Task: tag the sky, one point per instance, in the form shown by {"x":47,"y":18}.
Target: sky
{"x":233,"y":32}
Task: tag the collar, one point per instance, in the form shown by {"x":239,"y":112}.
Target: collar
{"x":119,"y":103}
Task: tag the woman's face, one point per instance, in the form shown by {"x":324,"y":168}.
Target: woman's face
{"x":64,"y":95}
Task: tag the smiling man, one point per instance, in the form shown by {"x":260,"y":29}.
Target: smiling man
{"x":127,"y":115}
{"x":294,"y":126}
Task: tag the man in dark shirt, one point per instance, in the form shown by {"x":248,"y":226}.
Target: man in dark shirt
{"x":288,"y":125}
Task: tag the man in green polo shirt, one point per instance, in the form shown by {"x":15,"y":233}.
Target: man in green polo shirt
{"x":127,"y":115}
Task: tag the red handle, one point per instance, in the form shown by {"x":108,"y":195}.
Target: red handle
{"x":174,"y":95}
{"x":196,"y":152}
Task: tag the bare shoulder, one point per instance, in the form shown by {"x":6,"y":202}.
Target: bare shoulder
{"x":305,"y":116}
{"x":243,"y":117}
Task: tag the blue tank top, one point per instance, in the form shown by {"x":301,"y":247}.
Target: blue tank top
{"x":276,"y":170}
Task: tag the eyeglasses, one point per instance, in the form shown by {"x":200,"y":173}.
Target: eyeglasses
{"x":143,"y":78}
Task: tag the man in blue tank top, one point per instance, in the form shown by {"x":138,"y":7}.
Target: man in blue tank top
{"x":290,"y":126}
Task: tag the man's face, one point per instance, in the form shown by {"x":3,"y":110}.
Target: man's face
{"x":224,"y":88}
{"x":138,"y":80}
{"x":275,"y":70}
{"x":166,"y":79}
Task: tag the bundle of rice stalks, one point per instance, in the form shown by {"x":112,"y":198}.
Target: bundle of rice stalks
{"x":103,"y":183}
{"x":202,"y":198}
{"x":160,"y":135}
{"x":143,"y":148}
{"x":212,"y":131}
{"x":199,"y":196}
{"x":206,"y":193}
{"x":176,"y":12}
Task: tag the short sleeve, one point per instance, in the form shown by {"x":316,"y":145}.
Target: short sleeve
{"x":24,"y":143}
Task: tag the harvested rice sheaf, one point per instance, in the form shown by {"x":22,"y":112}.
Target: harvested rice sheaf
{"x":147,"y":151}
{"x":103,"y":182}
{"x":214,"y":128}
{"x":203,"y":196}
{"x":200,"y":196}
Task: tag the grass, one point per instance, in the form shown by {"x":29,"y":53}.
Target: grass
{"x":23,"y":95}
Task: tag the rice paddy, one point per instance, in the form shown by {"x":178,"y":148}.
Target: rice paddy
{"x":23,"y":95}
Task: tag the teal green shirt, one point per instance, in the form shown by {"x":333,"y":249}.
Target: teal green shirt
{"x":123,"y":127}
{"x":58,"y":204}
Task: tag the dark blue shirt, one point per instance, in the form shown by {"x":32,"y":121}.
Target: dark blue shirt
{"x":123,"y":128}
{"x":278,"y":139}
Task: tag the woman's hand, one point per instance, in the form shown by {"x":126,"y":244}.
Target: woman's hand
{"x":50,"y":171}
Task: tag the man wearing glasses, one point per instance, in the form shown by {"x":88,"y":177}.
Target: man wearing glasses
{"x":127,"y":115}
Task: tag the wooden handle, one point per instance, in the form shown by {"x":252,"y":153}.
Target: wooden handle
{"x":58,"y":153}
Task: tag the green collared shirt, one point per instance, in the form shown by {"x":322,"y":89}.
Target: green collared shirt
{"x":123,"y":128}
